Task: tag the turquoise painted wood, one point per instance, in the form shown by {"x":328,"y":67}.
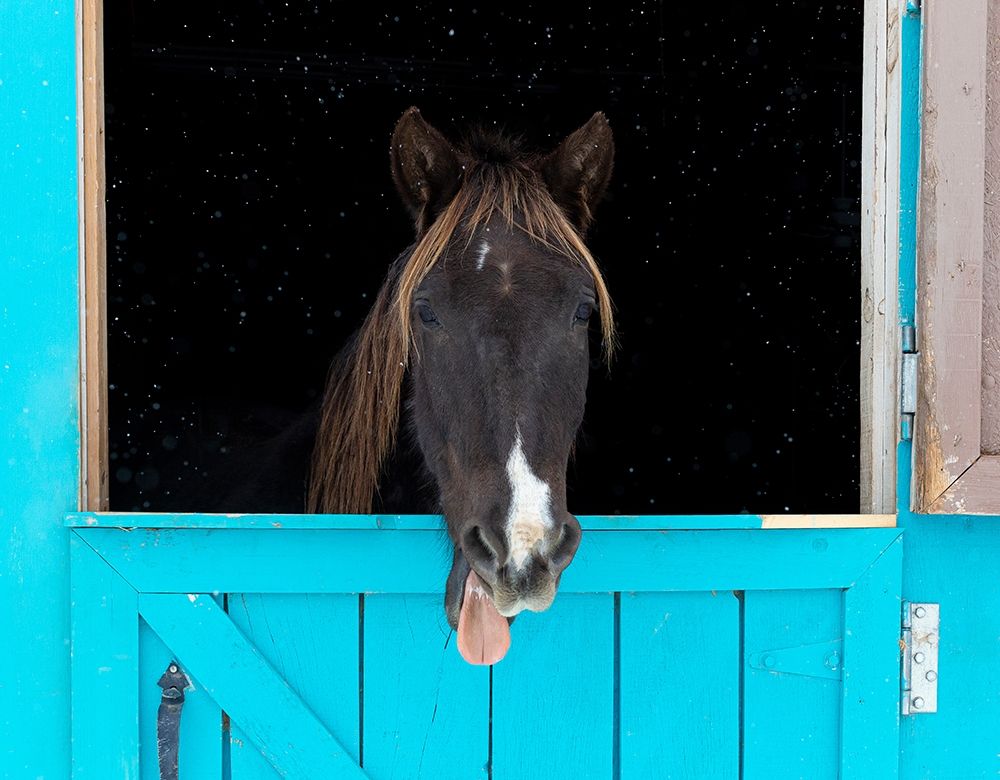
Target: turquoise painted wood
{"x":340,"y":561}
{"x":426,"y":712}
{"x":237,"y":675}
{"x":293,"y":634}
{"x":792,"y":704}
{"x":553,"y":695}
{"x":201,"y":730}
{"x":335,"y":675}
{"x":105,"y":659}
{"x":952,"y":561}
{"x":39,"y":380}
{"x":680,"y":685}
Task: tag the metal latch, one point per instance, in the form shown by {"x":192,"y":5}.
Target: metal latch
{"x":921,"y":632}
{"x":168,"y":720}
{"x":908,"y":383}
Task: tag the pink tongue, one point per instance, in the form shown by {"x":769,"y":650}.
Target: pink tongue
{"x":483,"y":633}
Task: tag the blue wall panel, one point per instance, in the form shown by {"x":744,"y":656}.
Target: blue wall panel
{"x":39,"y":338}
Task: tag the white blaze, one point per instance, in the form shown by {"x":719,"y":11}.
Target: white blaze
{"x":481,"y":253}
{"x":529,"y":515}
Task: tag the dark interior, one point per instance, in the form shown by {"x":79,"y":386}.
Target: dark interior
{"x":251,"y":218}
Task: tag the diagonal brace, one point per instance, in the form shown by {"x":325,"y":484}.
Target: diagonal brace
{"x":234,"y":673}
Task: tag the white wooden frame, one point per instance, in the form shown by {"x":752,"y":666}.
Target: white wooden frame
{"x":880,"y":334}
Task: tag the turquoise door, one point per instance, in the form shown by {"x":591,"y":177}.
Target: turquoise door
{"x":724,"y":653}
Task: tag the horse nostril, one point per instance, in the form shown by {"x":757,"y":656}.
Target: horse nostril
{"x":478,"y":550}
{"x":569,"y":541}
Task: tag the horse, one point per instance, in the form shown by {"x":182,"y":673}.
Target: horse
{"x":477,"y":346}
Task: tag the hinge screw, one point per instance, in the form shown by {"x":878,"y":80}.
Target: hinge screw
{"x":769,"y":661}
{"x":833,"y":660}
{"x":918,"y":658}
{"x":920,"y":612}
{"x":918,"y":702}
{"x":173,"y":668}
{"x":931,"y":675}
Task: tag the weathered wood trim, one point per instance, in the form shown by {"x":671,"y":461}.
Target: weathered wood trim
{"x":881,"y":93}
{"x":991,"y":242}
{"x":828,"y":521}
{"x":976,"y":492}
{"x":948,"y":434}
{"x":93,"y":258}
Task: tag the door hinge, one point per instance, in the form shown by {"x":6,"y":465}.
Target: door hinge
{"x":921,"y":632}
{"x":908,"y":383}
{"x":913,"y":7}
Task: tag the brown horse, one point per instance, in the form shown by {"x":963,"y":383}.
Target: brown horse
{"x":479,"y":340}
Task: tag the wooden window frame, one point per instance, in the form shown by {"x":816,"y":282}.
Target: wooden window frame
{"x":879,"y":272}
{"x":958,"y":250}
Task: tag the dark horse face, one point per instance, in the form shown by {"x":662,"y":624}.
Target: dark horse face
{"x":500,"y":364}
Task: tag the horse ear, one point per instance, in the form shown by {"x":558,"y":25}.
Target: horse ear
{"x":425,"y":167}
{"x":578,"y":171}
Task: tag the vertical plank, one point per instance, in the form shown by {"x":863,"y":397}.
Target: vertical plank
{"x":105,"y":670}
{"x":991,"y":241}
{"x":93,"y":266}
{"x":312,"y":642}
{"x":879,"y":252}
{"x":950,"y":249}
{"x":426,"y":711}
{"x":39,"y":380}
{"x":791,"y":721}
{"x":553,"y":695}
{"x":870,"y":715}
{"x":680,"y":683}
{"x":201,"y":719}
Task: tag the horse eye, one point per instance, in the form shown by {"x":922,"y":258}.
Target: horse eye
{"x":427,"y":315}
{"x":583,"y":312}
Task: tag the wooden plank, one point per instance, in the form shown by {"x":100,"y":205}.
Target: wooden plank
{"x":553,"y":694}
{"x":947,"y":438}
{"x":977,"y":492}
{"x":679,"y":685}
{"x":791,"y":720}
{"x":869,"y":728}
{"x":242,"y":682}
{"x":990,"y":388}
{"x":39,"y":380}
{"x":426,"y":711}
{"x":105,"y":670}
{"x":415,"y":561}
{"x":93,"y":259}
{"x":880,"y":100}
{"x":312,"y":643}
{"x":200,"y":755}
{"x":828,"y":521}
{"x":152,"y":520}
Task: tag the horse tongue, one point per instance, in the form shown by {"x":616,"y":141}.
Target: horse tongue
{"x":483,"y":633}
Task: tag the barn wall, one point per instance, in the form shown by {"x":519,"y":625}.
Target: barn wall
{"x":951,"y":560}
{"x":39,"y":380}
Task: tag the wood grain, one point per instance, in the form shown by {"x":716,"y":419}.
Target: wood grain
{"x":553,"y":694}
{"x":93,"y":262}
{"x":991,"y":242}
{"x":312,"y":642}
{"x":947,"y":439}
{"x":880,"y":99}
{"x":680,"y":683}
{"x":427,"y":712}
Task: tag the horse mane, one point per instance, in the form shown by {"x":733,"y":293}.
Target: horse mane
{"x":361,"y":405}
